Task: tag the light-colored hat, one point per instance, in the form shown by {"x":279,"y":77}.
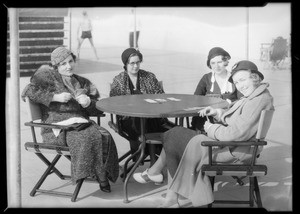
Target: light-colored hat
{"x":59,"y":54}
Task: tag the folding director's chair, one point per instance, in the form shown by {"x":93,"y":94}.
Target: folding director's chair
{"x":251,"y":170}
{"x":40,"y":149}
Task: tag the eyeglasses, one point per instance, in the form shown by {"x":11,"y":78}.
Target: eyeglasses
{"x":135,"y":63}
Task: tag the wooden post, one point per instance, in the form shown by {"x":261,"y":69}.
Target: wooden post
{"x":13,"y":144}
{"x":134,"y":32}
{"x":247,"y":33}
{"x":70,"y":28}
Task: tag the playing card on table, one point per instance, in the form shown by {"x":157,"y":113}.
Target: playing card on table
{"x":150,"y":101}
{"x":160,"y":100}
{"x":173,"y":99}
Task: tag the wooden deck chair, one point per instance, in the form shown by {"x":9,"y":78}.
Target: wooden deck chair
{"x":251,"y":170}
{"x":278,"y":52}
{"x":35,"y":115}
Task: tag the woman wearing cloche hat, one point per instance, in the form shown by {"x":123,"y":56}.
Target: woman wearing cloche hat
{"x":215,"y":83}
{"x":185,"y":155}
{"x":64,"y":95}
{"x":134,"y":80}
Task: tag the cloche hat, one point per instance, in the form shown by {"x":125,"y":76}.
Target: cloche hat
{"x":245,"y":65}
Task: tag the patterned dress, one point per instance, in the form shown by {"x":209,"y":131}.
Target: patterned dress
{"x":93,"y":150}
{"x":146,"y":84}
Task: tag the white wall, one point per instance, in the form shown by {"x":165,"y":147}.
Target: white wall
{"x":185,"y":29}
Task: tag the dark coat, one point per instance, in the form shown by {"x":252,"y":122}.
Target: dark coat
{"x":93,"y":150}
{"x":204,"y":86}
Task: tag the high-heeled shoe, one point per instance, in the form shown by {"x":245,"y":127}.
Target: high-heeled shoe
{"x":144,"y":177}
{"x":104,"y":186}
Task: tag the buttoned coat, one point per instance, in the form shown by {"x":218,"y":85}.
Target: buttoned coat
{"x":239,"y":123}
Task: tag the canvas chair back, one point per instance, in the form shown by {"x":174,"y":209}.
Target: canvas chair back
{"x":33,"y":109}
{"x":264,"y":124}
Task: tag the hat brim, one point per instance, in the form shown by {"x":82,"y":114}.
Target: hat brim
{"x":252,"y":71}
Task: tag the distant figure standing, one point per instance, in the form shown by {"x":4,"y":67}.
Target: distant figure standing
{"x":134,"y":26}
{"x":85,"y":26}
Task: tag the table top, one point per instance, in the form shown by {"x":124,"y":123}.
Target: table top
{"x":158,"y":105}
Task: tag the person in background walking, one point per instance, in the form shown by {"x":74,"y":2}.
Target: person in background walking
{"x":85,"y":27}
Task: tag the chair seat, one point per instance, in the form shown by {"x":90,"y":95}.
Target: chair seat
{"x":232,"y":170}
{"x":235,"y":173}
{"x":46,"y":148}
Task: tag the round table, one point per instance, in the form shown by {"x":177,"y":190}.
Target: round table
{"x":164,"y":105}
{"x":156,"y":106}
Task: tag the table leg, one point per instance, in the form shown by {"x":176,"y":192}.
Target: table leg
{"x":142,"y":149}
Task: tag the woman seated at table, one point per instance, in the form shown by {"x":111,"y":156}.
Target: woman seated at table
{"x":182,"y":151}
{"x":134,"y":80}
{"x":64,"y":95}
{"x":215,"y":83}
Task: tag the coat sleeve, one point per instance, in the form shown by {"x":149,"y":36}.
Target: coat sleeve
{"x":116,"y":87}
{"x":41,"y":88}
{"x":155,"y":87}
{"x":245,"y":123}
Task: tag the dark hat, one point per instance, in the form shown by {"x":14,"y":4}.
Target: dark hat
{"x":59,"y":54}
{"x":245,"y":65}
{"x":126,"y":54}
{"x":216,"y":51}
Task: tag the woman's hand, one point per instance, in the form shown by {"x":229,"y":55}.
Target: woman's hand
{"x":207,"y":125}
{"x":83,"y":100}
{"x":207,"y":111}
{"x":63,"y":97}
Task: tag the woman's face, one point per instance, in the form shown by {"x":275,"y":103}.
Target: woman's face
{"x":217,"y":64}
{"x":133,"y":65}
{"x":243,"y":82}
{"x":66,"y":66}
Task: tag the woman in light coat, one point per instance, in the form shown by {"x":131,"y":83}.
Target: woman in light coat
{"x":182,"y":151}
{"x":238,"y":123}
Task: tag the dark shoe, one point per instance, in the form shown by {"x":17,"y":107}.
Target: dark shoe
{"x":104,"y":186}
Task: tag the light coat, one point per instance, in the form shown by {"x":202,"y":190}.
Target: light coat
{"x":239,"y":123}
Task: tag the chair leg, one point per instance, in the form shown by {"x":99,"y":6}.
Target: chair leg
{"x":124,"y":156}
{"x":76,"y":191}
{"x":239,"y":180}
{"x":126,"y":164}
{"x":47,"y":162}
{"x":251,"y":191}
{"x":152,"y":154}
{"x":45,"y":175}
{"x":257,"y":193}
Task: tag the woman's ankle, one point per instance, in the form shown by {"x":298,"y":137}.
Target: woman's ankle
{"x":153,"y":172}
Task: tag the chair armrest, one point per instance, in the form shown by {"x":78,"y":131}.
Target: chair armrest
{"x":233,"y":143}
{"x":97,"y":115}
{"x":113,"y":126}
{"x":48,"y":125}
